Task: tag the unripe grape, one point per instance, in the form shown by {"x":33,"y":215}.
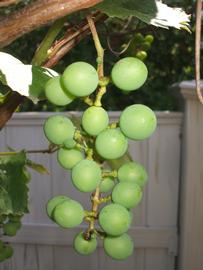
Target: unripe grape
{"x":119,"y":248}
{"x":86,"y":175}
{"x":58,"y":128}
{"x":146,"y":46}
{"x":55,"y":92}
{"x":129,"y":74}
{"x":69,"y":158}
{"x":111,"y":144}
{"x":127,"y":194}
{"x":84,"y":247}
{"x":80,"y":79}
{"x":149,"y":38}
{"x":69,"y":143}
{"x":114,"y":219}
{"x":138,"y":38}
{"x":133,"y":171}
{"x":142,"y":55}
{"x":106,"y":184}
{"x":68,"y":214}
{"x":94,"y":120}
{"x":52,"y":203}
{"x":137,"y":122}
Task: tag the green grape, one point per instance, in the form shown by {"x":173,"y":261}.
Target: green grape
{"x":142,"y":55}
{"x":111,"y":144}
{"x":86,"y":175}
{"x":58,"y":128}
{"x":84,"y":247}
{"x":80,"y":79}
{"x":114,"y":219}
{"x":127,"y":194}
{"x":11,"y":228}
{"x":69,"y":143}
{"x":68,"y":214}
{"x":94,"y":120}
{"x":129,"y":74}
{"x":138,"y":38}
{"x":119,"y":248}
{"x":55,"y":93}
{"x":149,"y":38}
{"x":146,"y":46}
{"x":69,"y":158}
{"x":137,"y":122}
{"x":106,"y":184}
{"x":52,"y":203}
{"x":133,"y":171}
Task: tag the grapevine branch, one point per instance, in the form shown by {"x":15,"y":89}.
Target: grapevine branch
{"x":71,"y":38}
{"x":198,"y":49}
{"x":36,"y":15}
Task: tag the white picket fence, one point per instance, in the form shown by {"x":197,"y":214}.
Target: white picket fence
{"x":41,"y":245}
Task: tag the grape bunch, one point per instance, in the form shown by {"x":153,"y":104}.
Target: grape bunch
{"x":9,"y":225}
{"x":86,"y":152}
{"x":140,"y":45}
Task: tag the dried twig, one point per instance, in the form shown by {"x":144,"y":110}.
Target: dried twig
{"x":198,"y":49}
{"x":72,"y":37}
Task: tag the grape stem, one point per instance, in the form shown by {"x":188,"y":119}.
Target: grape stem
{"x":112,"y":174}
{"x":95,"y":205}
{"x":43,"y":151}
{"x":100,"y":60}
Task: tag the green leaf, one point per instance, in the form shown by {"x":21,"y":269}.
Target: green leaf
{"x":13,"y":184}
{"x":39,"y":79}
{"x":27,"y":80}
{"x":125,"y":8}
{"x":37,"y":167}
{"x":149,"y":11}
{"x":3,"y":78}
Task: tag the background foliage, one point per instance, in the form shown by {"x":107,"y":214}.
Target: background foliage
{"x":170,"y":60}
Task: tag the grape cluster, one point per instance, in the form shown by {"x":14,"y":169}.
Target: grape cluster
{"x":140,"y":45}
{"x":9,"y":225}
{"x":87,"y":150}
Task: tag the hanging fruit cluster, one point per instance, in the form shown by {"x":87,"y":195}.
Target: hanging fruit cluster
{"x":86,"y":151}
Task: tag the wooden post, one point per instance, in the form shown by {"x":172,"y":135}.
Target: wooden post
{"x":191,"y":192}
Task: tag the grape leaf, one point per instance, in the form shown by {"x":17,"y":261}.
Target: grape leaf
{"x":13,"y":184}
{"x":27,"y":80}
{"x":149,"y":11}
